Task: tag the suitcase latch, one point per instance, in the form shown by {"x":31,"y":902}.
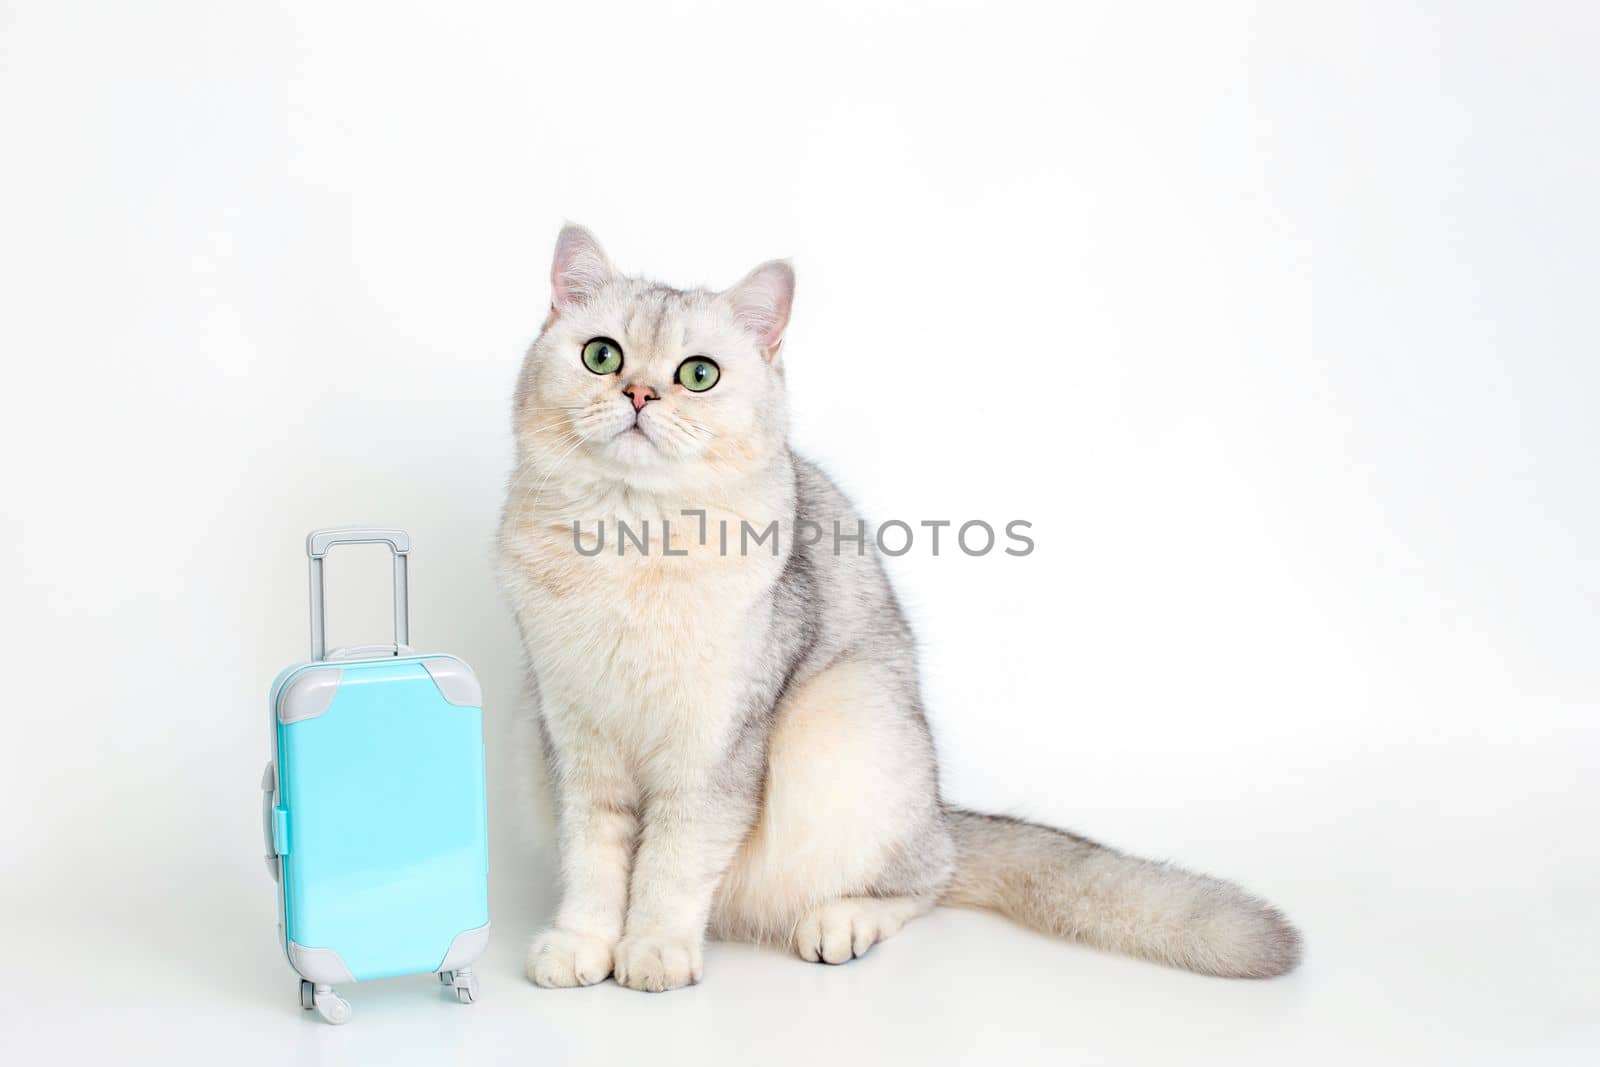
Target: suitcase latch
{"x":280,"y":831}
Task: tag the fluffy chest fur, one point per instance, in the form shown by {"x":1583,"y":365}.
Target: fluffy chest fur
{"x":638,"y":648}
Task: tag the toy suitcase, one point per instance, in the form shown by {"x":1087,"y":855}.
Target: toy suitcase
{"x":374,"y":809}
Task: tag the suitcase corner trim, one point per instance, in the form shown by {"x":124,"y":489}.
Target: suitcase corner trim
{"x":455,"y":681}
{"x":465,"y":948}
{"x":323,"y":965}
{"x":308,"y":693}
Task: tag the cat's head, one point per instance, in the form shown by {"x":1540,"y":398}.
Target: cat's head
{"x":650,"y":387}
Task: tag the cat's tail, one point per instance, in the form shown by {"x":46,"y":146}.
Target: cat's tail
{"x":1069,"y":886}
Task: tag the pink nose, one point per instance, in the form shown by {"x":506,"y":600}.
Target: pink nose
{"x":640,"y":395}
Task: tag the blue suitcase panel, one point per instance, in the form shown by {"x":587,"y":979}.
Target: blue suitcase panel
{"x":385,"y":836}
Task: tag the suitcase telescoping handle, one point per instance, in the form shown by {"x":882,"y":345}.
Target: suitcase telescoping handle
{"x":317,"y":544}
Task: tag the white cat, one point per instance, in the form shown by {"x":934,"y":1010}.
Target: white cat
{"x":736,"y":736}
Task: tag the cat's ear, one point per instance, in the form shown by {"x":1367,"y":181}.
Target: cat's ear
{"x":761,"y":303}
{"x":579,"y":270}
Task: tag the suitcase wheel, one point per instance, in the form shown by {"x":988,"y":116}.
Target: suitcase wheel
{"x":307,"y":995}
{"x":464,"y":982}
{"x":331,"y":1006}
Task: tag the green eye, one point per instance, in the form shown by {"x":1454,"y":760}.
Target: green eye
{"x":698,"y":374}
{"x":603,"y":356}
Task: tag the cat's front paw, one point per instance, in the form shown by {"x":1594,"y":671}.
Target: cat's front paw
{"x":654,"y":963}
{"x":561,"y":959}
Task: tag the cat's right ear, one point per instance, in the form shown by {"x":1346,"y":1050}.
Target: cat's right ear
{"x":579,"y":270}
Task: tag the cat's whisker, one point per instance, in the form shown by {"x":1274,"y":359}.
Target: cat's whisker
{"x":573,"y":436}
{"x":553,"y":468}
{"x":557,"y":430}
{"x":561,"y":435}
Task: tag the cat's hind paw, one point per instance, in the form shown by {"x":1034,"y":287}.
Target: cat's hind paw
{"x":842,"y":930}
{"x":561,"y":959}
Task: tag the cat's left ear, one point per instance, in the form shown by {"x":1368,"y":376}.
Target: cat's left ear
{"x":761,"y":303}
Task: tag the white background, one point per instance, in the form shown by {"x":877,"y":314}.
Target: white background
{"x":1278,"y":322}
